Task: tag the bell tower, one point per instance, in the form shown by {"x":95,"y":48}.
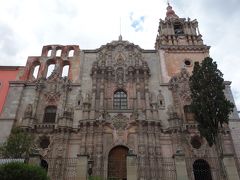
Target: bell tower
{"x":179,"y":44}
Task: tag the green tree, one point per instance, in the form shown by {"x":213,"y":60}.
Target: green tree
{"x":21,"y":171}
{"x":209,"y":104}
{"x":18,"y":144}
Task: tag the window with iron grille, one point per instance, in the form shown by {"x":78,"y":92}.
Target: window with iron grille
{"x":120,"y":100}
{"x":50,"y":114}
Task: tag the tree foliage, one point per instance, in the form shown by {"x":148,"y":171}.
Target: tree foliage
{"x":209,"y":104}
{"x":16,"y":170}
{"x":18,"y":144}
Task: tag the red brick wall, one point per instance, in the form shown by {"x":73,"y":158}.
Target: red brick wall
{"x":6,"y":75}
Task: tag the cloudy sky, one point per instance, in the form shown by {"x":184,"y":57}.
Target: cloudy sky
{"x":27,"y":25}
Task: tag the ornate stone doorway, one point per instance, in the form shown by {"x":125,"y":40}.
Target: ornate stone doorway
{"x":117,"y":163}
{"x":201,"y":170}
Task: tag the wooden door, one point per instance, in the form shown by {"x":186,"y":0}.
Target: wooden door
{"x":117,"y":163}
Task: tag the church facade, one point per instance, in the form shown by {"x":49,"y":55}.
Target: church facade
{"x":121,"y":112}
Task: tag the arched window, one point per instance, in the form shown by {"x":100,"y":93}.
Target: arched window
{"x":35,"y":71}
{"x":58,"y":53}
{"x":201,"y":170}
{"x":49,"y":53}
{"x":50,"y":69}
{"x":50,"y":114}
{"x":120,"y":100}
{"x":71,"y":53}
{"x":65,"y":70}
{"x":178,"y":29}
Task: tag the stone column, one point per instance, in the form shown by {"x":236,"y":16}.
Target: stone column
{"x":92,"y":112}
{"x":131,"y":167}
{"x":181,"y":169}
{"x":102,"y":92}
{"x":82,"y":165}
{"x":141,"y":151}
{"x":138,"y":90}
{"x":147,"y":99}
{"x":230,"y":166}
{"x":83,"y":134}
{"x":99,"y":150}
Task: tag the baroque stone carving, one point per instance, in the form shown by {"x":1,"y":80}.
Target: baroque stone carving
{"x":179,"y":85}
{"x":120,"y":122}
{"x":52,"y":97}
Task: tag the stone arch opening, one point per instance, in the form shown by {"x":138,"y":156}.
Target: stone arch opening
{"x":201,"y":170}
{"x":117,"y":163}
{"x":65,"y":69}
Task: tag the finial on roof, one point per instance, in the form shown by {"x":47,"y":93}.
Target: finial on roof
{"x":120,"y":37}
{"x":170,"y":12}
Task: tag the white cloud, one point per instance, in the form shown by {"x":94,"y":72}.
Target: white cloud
{"x":27,"y":25}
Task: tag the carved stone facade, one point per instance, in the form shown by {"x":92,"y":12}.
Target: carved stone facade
{"x":117,"y":95}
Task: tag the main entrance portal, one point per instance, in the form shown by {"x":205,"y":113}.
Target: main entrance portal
{"x":117,"y":163}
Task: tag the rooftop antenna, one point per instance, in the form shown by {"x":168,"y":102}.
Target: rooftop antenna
{"x":120,"y":29}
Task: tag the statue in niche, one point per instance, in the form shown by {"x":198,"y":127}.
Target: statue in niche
{"x":160,"y":99}
{"x":79,"y":99}
{"x":88,"y":98}
{"x":28,"y":111}
{"x":120,"y":60}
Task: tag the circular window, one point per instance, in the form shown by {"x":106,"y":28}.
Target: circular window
{"x":44,"y":142}
{"x":196,"y":142}
{"x":187,"y":62}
